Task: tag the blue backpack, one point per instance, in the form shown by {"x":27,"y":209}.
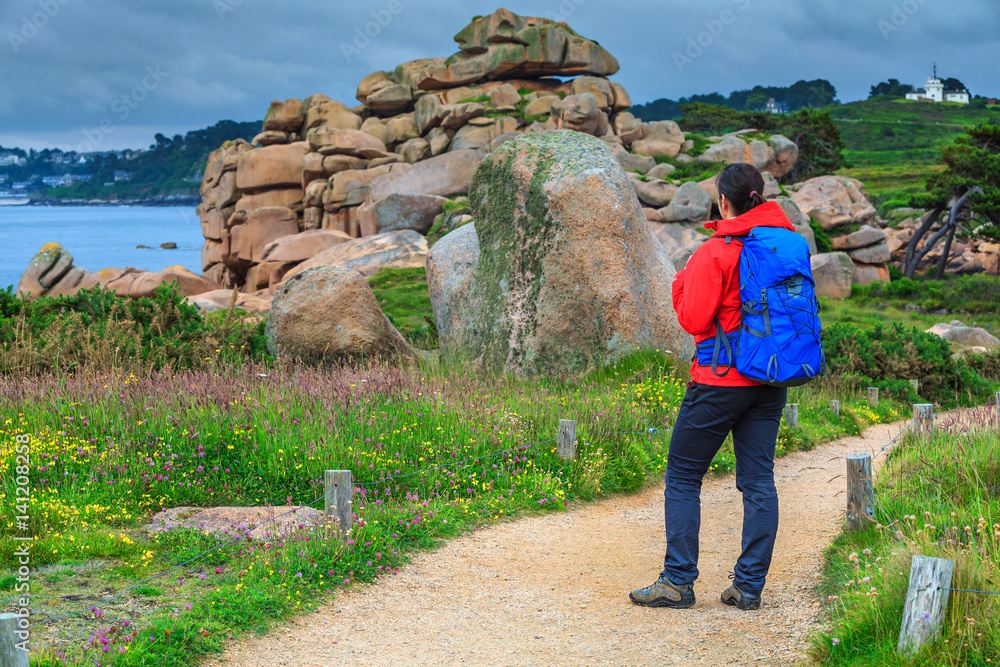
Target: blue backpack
{"x":778,"y":342}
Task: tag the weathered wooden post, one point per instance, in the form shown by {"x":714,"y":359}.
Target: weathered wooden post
{"x":873,"y":396}
{"x":998,"y":404}
{"x":566,"y":441}
{"x":860,"y":493}
{"x":792,"y":415}
{"x":835,"y":407}
{"x":926,"y":603}
{"x":915,"y":384}
{"x":923,"y":420}
{"x":339,"y":491}
{"x":13,"y":645}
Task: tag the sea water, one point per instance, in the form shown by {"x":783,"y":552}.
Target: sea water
{"x":99,"y":237}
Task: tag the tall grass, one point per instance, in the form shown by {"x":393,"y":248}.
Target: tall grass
{"x":939,"y":498}
{"x":433,"y":452}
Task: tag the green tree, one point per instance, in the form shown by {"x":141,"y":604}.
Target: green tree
{"x":892,"y":87}
{"x":969,"y":186}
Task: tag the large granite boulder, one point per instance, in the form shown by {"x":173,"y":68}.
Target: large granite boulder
{"x":451,"y":264}
{"x":799,"y":220}
{"x":659,"y":138}
{"x":581,"y":113}
{"x":396,"y":250}
{"x":504,"y":45}
{"x":833,"y":273}
{"x":302,"y":246}
{"x":957,"y":333}
{"x":444,"y":175}
{"x":556,"y":287}
{"x":834,"y":201}
{"x":786,"y":154}
{"x":271,"y":167}
{"x":397,"y":212}
{"x":329,"y":313}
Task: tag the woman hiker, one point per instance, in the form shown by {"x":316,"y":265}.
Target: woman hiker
{"x":717,"y":402}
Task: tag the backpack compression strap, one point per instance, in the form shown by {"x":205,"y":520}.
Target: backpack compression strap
{"x":721,"y":339}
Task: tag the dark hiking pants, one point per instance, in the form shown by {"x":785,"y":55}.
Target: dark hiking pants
{"x":707,"y":415}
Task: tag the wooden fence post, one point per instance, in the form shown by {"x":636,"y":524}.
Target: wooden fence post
{"x":792,"y":415}
{"x":915,"y":384}
{"x":835,"y":407}
{"x":998,"y":404}
{"x":860,"y":493}
{"x":926,"y":603}
{"x":339,"y":491}
{"x":10,"y":654}
{"x":873,"y":396}
{"x":923,"y":420}
{"x":566,"y":441}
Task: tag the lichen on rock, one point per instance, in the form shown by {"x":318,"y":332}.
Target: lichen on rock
{"x":569,"y":275}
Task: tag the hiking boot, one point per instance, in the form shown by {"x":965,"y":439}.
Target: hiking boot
{"x":734,"y":597}
{"x":664,"y":593}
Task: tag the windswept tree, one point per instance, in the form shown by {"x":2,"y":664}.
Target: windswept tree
{"x":968,"y":187}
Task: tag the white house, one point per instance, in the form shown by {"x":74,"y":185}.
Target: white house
{"x":936,"y":92}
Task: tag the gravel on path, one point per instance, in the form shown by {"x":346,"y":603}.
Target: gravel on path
{"x":553,"y":589}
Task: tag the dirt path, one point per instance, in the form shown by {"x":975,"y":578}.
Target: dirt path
{"x":552,"y":590}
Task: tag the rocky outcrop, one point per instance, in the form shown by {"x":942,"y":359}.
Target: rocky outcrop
{"x":51,"y":273}
{"x":328,"y":313}
{"x":554,"y":287}
{"x":834,"y":201}
{"x":957,"y":333}
{"x":422,"y":129}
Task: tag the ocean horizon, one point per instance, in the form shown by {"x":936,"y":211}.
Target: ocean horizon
{"x":100,"y":237}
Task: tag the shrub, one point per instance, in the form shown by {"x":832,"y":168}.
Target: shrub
{"x":823,"y":242}
{"x":889,"y":356}
{"x":973,"y":293}
{"x":97,"y":328}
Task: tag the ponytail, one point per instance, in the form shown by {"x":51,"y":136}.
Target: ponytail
{"x":742,"y":185}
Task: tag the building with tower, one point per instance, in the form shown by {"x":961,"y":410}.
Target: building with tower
{"x":935,"y":91}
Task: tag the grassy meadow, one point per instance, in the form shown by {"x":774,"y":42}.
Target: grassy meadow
{"x":936,"y":498}
{"x":201,"y":416}
{"x":893,"y":144}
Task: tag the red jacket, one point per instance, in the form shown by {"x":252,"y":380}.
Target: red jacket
{"x":709,"y":286}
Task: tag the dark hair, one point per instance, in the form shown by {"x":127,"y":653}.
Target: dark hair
{"x":743,"y":186}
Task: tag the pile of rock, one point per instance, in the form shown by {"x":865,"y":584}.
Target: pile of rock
{"x":51,"y":273}
{"x":839,"y":206}
{"x":967,"y":256}
{"x":390,"y":163}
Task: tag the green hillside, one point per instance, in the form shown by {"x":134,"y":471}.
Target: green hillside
{"x":892,"y":144}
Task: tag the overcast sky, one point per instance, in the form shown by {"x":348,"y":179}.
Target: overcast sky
{"x":111,"y":73}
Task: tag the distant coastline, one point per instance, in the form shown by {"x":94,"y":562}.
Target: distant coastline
{"x":165,"y":200}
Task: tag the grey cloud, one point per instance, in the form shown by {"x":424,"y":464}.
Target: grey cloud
{"x":231,"y":64}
